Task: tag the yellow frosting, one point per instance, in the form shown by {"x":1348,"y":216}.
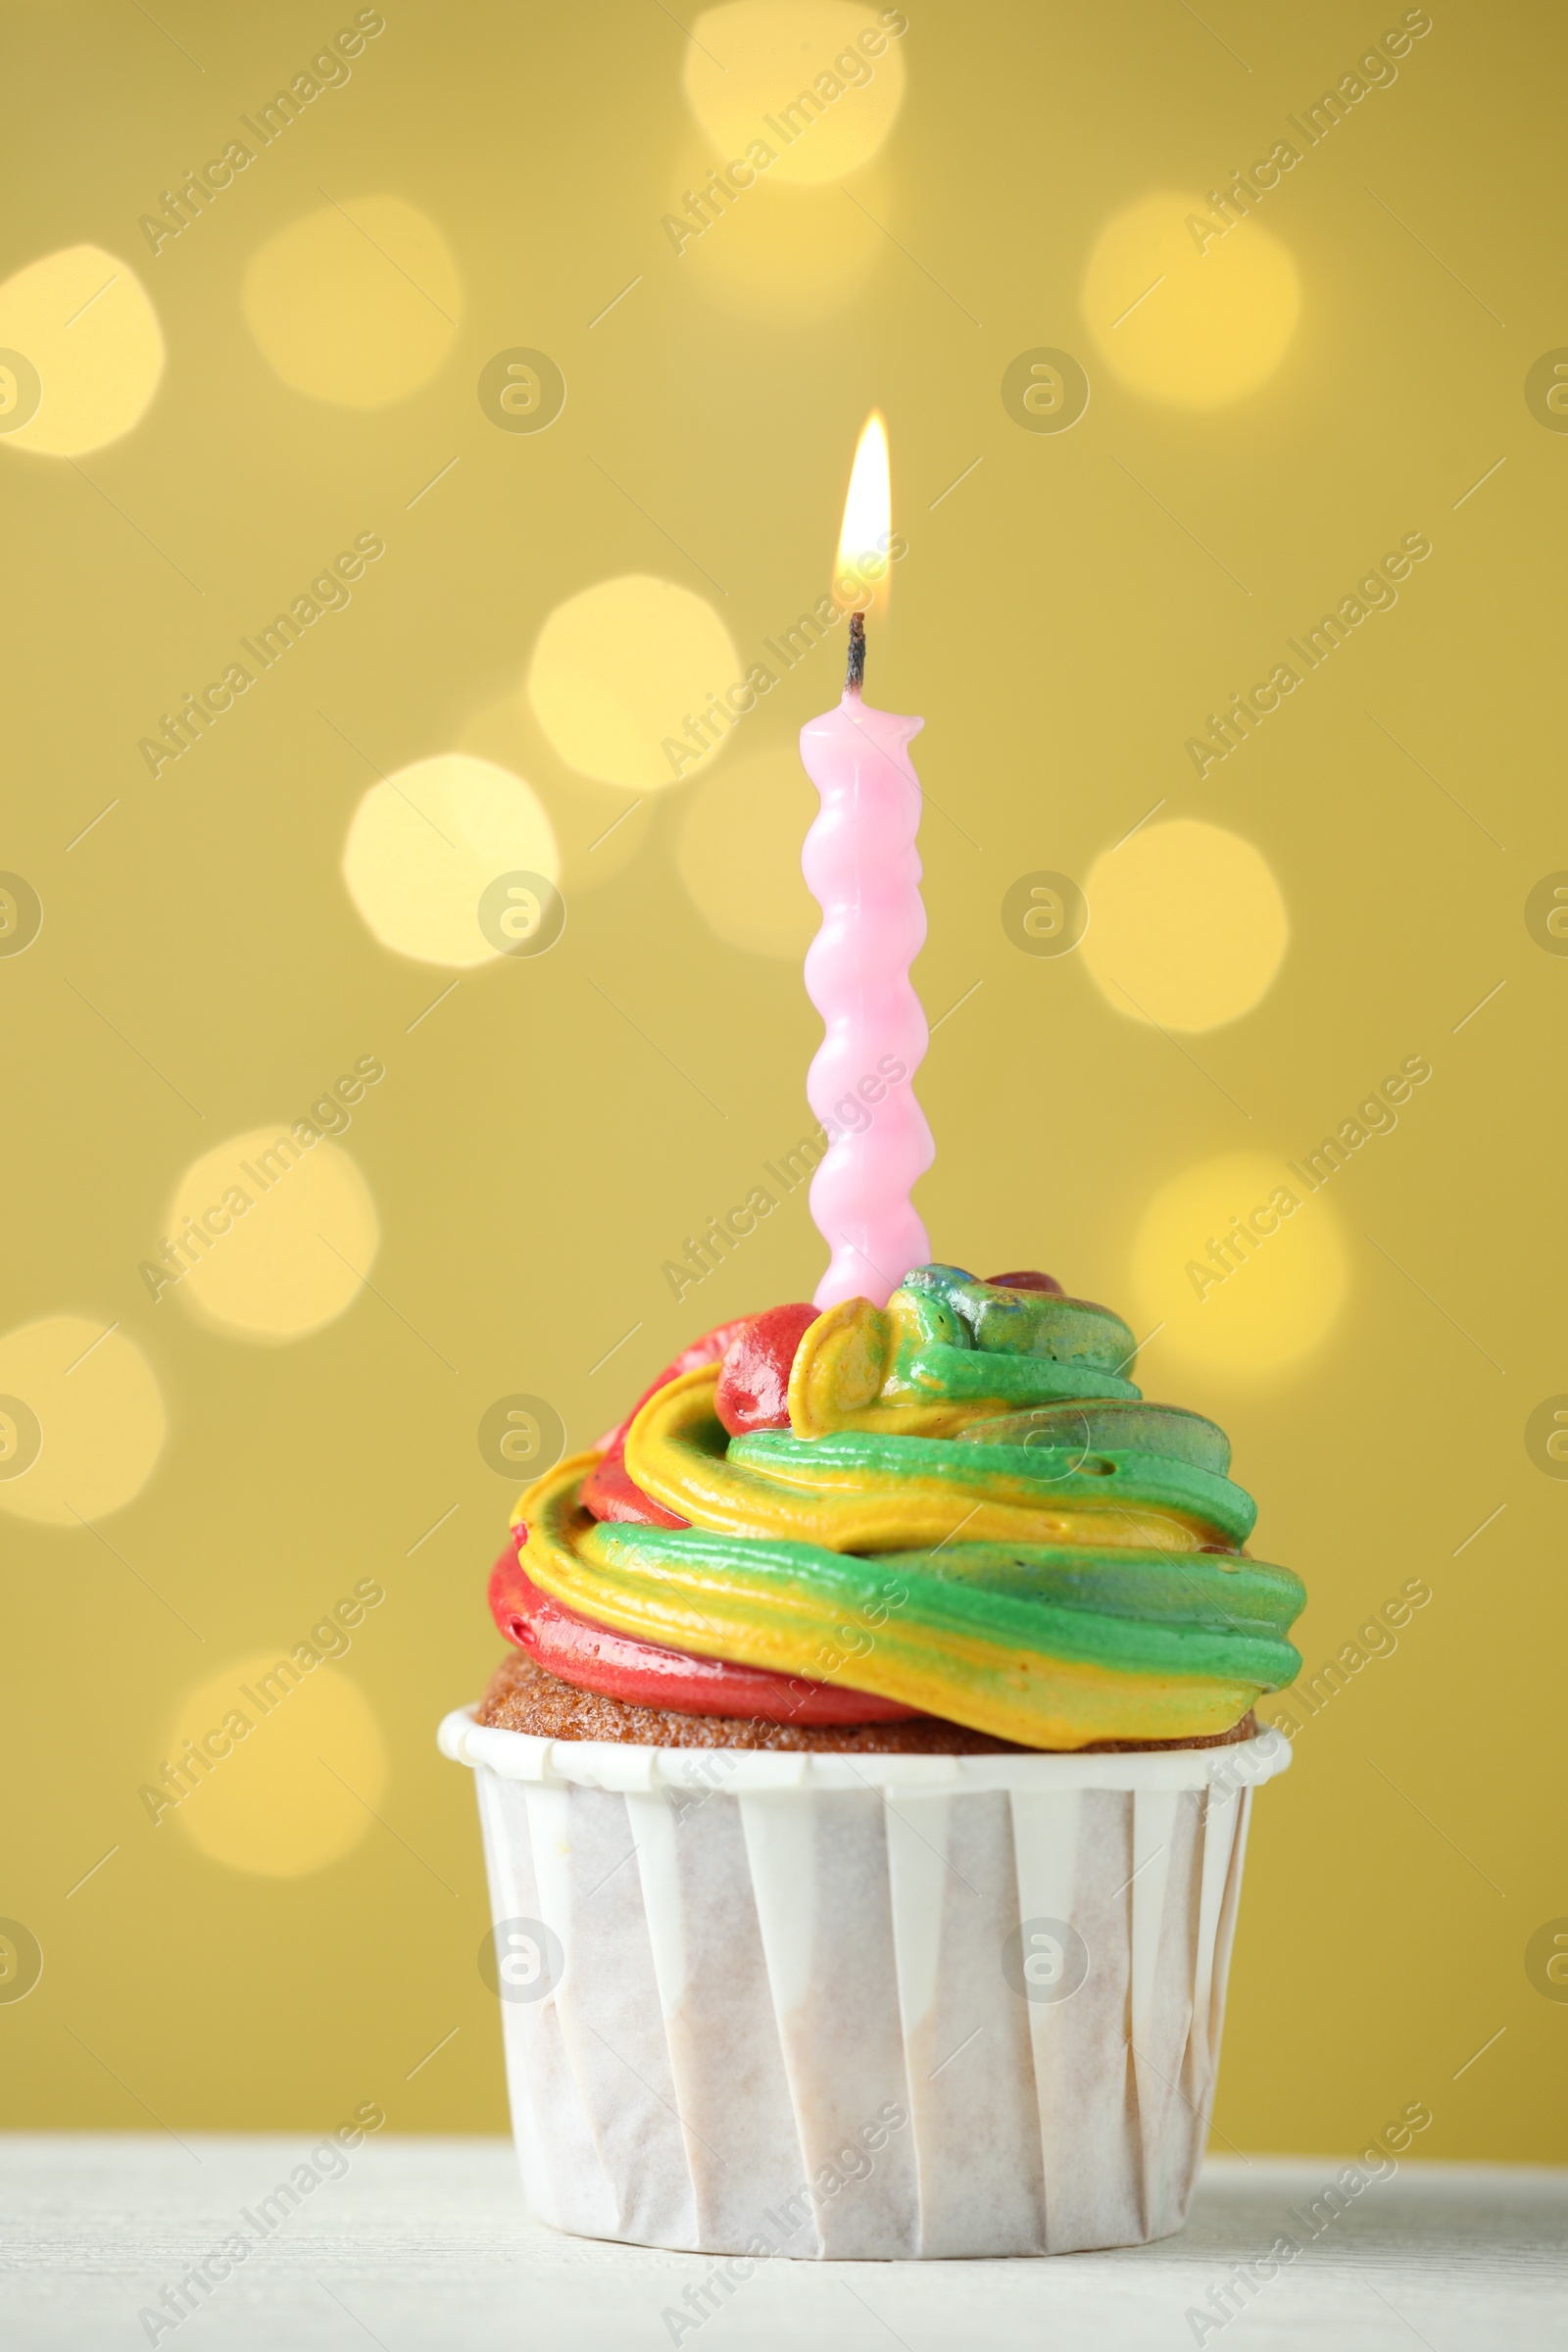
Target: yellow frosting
{"x":973,"y":1513}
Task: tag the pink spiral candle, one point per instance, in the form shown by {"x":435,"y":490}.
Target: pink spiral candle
{"x":862,"y":867}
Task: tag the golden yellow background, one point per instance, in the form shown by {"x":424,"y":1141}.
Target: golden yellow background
{"x":1268,"y":419}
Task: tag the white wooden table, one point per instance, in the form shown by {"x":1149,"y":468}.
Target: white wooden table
{"x":421,"y":2244}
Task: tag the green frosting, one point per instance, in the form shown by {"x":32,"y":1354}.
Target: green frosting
{"x":1142,"y":1612}
{"x":1072,"y":1476}
{"x":1105,"y":1427}
{"x":989,"y":1631}
{"x":972,"y":1340}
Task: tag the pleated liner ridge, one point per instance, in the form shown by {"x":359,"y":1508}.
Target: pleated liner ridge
{"x":756,"y":1984}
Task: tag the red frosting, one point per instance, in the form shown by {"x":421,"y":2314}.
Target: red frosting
{"x":610,"y":1492}
{"x":1028,"y":1280}
{"x":754,"y":1388}
{"x":619,"y":1666}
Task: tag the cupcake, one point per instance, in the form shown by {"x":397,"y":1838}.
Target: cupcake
{"x":865,"y":1793}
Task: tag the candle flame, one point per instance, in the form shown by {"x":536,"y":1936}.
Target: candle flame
{"x":862,"y":572}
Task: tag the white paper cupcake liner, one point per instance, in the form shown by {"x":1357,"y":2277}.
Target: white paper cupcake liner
{"x":887,"y":2007}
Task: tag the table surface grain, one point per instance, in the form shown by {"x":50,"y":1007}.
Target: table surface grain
{"x":422,"y":2243}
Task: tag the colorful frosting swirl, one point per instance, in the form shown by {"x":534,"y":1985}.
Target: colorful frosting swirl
{"x":971,"y":1514}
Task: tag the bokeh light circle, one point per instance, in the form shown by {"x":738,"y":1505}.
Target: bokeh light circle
{"x":739,"y":854}
{"x":1267,"y":1294}
{"x":426,"y":845}
{"x":287,"y":1232}
{"x":807,"y":64}
{"x":790,"y":254}
{"x":1193,"y":328}
{"x":290,"y":1791}
{"x":619,"y":670}
{"x":355,"y":304}
{"x":21,"y":390}
{"x":1188,"y":927}
{"x":91,"y":350}
{"x":91,"y":1422}
{"x":599,"y":828}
